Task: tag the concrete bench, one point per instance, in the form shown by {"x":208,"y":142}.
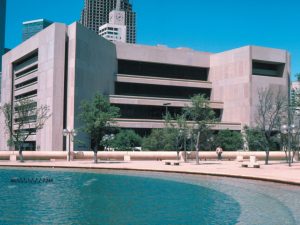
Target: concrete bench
{"x":252,"y":163}
{"x":174,"y":163}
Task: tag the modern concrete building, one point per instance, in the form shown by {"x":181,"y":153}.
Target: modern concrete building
{"x":2,"y":30}
{"x":63,"y":65}
{"x":32,"y":27}
{"x":96,"y":13}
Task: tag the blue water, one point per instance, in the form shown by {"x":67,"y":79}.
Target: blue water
{"x":120,"y":197}
{"x":93,"y":198}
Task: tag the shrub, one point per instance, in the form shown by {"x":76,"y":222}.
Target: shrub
{"x":126,"y":140}
{"x":229,"y":140}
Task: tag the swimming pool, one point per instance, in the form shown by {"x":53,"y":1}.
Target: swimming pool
{"x":120,"y":197}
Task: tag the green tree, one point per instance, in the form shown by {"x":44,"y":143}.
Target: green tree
{"x":229,"y":140}
{"x":160,"y":139}
{"x":22,"y":120}
{"x":126,"y":140}
{"x":256,"y":139}
{"x":203,"y":118}
{"x":98,"y":116}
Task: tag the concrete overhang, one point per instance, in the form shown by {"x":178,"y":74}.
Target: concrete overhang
{"x":163,"y":81}
{"x":136,"y":100}
{"x":158,"y":124}
{"x":269,"y":54}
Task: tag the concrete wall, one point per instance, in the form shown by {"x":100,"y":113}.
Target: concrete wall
{"x":263,"y":82}
{"x":161,"y":54}
{"x":92,"y":66}
{"x":50,"y":44}
{"x":230,"y":77}
{"x":155,"y":155}
{"x":234,"y":84}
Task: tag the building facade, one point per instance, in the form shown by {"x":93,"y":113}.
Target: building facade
{"x":32,"y":27}
{"x":73,"y":64}
{"x":96,"y":14}
{"x":2,"y":29}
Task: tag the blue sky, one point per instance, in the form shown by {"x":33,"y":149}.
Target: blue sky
{"x":205,"y":25}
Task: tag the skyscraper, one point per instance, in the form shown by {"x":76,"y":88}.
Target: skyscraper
{"x":96,"y":13}
{"x":32,"y":27}
{"x":2,"y":29}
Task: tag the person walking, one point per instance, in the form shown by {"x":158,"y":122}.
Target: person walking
{"x":219,"y":152}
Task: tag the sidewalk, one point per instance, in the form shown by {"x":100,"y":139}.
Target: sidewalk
{"x":276,"y":171}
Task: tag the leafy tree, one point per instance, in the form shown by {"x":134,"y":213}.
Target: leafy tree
{"x":160,"y":139}
{"x":271,"y":108}
{"x":229,"y":140}
{"x":98,"y":116}
{"x":23,"y":119}
{"x":126,"y":140}
{"x":203,"y":117}
{"x":256,"y":139}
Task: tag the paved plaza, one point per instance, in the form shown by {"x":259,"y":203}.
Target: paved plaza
{"x":277,"y":171}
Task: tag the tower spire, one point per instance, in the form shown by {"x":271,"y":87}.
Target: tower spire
{"x":118,"y":5}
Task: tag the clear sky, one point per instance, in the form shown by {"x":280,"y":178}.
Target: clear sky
{"x":205,"y":25}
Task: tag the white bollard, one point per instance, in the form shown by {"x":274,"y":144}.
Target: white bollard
{"x":239,"y":158}
{"x":127,"y":158}
{"x":252,"y":159}
{"x":13,"y":158}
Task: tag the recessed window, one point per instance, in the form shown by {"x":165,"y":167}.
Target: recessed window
{"x":267,"y":68}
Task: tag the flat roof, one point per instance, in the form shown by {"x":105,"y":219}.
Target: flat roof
{"x":35,"y":21}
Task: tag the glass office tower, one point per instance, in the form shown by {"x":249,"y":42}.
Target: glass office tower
{"x":30,"y":28}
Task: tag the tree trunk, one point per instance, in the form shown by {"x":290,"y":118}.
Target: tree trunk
{"x":293,"y":156}
{"x":21,"y":154}
{"x":95,"y":155}
{"x":286,"y":156}
{"x":184,"y":148}
{"x":197,"y":148}
{"x":177,"y":155}
{"x":267,"y":157}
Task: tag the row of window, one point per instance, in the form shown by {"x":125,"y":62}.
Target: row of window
{"x":26,"y":95}
{"x":26,"y":83}
{"x":26,"y":61}
{"x":27,"y":119}
{"x":26,"y":72}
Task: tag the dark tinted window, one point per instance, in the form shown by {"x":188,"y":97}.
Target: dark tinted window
{"x":160,"y":91}
{"x":267,"y":69}
{"x":162,"y":70}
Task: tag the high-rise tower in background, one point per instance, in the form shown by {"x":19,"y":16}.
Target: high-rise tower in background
{"x":115,"y":30}
{"x":32,"y":27}
{"x":2,"y":29}
{"x":96,"y":13}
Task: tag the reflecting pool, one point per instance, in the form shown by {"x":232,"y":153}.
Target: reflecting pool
{"x":118,"y":197}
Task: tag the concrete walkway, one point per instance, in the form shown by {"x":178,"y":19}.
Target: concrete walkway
{"x":276,"y":171}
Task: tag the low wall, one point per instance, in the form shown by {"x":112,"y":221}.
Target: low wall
{"x":157,"y":155}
